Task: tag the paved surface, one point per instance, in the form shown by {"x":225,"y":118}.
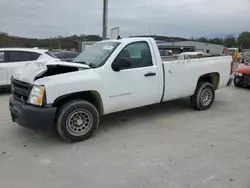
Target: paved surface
{"x":162,"y":146}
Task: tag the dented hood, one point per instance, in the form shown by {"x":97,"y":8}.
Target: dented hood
{"x":32,"y":70}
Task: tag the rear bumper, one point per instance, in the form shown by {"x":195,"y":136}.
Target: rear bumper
{"x":37,"y":118}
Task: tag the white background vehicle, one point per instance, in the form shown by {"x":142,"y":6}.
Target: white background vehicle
{"x":13,"y":58}
{"x":192,"y":55}
{"x":110,"y":76}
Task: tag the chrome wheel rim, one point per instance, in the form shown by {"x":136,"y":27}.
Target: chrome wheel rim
{"x":206,"y":97}
{"x":79,"y":122}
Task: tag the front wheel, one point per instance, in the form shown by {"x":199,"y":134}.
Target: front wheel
{"x":203,"y":97}
{"x":77,"y":120}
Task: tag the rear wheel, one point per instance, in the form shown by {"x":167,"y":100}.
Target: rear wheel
{"x":77,"y":120}
{"x":203,"y":97}
{"x":237,"y":82}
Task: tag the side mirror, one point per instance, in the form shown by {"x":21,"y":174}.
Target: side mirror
{"x":121,"y":63}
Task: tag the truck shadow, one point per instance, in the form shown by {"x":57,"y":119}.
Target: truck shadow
{"x":117,"y":121}
{"x":155,"y":111}
{"x":120,"y":120}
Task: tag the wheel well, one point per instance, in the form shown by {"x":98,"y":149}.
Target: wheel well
{"x":91,"y":96}
{"x":213,"y":78}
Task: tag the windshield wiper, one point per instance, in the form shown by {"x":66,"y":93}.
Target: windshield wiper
{"x":92,"y":65}
{"x":81,"y":62}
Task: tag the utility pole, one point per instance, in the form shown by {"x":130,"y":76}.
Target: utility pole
{"x":105,"y":19}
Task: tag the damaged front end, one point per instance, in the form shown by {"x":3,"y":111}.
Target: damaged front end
{"x":35,"y":71}
{"x":56,"y":70}
{"x":30,"y":104}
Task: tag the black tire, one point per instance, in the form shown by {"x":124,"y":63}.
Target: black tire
{"x":66,"y":120}
{"x":237,"y":82}
{"x":196,"y":99}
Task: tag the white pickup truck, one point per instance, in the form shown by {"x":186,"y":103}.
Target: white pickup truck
{"x":110,"y":76}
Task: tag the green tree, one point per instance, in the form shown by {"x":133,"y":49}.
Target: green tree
{"x":216,"y":40}
{"x":230,"y":41}
{"x":244,"y":40}
{"x":66,"y":42}
{"x":203,"y":39}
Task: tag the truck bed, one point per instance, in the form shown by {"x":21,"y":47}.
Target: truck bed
{"x":186,"y":74}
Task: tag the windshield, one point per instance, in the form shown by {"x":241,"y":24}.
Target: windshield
{"x":97,"y":54}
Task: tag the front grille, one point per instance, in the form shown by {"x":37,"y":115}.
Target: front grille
{"x":20,"y":90}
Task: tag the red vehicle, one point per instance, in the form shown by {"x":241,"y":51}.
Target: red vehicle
{"x":242,"y":74}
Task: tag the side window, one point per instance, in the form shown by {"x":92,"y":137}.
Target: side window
{"x":16,"y":56}
{"x":139,"y":54}
{"x":2,"y":57}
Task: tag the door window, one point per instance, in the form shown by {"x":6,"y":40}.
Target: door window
{"x":16,"y":56}
{"x":1,"y":57}
{"x":139,"y":54}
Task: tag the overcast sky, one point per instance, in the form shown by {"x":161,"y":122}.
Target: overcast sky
{"x":183,"y":18}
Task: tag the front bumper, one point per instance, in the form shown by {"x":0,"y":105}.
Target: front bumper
{"x":38,"y":118}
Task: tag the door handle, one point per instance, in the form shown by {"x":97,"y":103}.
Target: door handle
{"x":150,"y":74}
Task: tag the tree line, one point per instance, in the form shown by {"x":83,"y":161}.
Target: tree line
{"x":242,"y":41}
{"x":57,"y":42}
{"x":74,"y":41}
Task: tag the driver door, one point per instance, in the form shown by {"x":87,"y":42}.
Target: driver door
{"x":133,"y":86}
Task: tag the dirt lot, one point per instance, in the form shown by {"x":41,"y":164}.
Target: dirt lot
{"x":161,"y":146}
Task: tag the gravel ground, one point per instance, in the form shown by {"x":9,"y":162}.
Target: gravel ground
{"x":161,"y":146}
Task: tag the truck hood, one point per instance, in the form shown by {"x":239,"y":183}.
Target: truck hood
{"x":244,"y":69}
{"x":33,"y":70}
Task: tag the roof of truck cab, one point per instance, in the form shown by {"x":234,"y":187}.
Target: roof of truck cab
{"x":24,"y":49}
